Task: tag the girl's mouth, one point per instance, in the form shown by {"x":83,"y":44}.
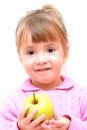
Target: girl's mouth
{"x":43,"y":69}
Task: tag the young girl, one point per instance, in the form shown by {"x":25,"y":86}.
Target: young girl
{"x":42,"y":45}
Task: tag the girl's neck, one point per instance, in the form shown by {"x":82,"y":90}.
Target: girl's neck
{"x":47,"y":86}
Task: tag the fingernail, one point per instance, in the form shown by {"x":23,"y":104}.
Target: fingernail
{"x":35,"y":110}
{"x":44,"y":115}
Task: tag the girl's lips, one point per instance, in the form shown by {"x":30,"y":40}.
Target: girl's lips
{"x":42,"y":69}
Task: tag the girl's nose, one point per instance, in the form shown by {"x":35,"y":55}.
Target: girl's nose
{"x":42,"y":58}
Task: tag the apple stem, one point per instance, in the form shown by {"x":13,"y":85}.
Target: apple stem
{"x":35,"y":101}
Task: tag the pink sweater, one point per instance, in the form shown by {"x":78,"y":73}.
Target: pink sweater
{"x":68,"y":98}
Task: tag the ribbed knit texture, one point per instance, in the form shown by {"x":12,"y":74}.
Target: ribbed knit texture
{"x":68,"y":98}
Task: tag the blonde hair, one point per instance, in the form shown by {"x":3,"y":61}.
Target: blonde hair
{"x":45,"y":24}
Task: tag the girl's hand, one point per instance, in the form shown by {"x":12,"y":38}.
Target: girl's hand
{"x":26,"y":123}
{"x":58,"y":123}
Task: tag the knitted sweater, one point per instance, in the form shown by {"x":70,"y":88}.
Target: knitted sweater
{"x":68,"y":98}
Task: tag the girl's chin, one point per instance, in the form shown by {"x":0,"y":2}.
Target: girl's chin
{"x":43,"y":82}
{"x":42,"y":79}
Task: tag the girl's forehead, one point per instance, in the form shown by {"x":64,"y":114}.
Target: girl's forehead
{"x":30,"y":44}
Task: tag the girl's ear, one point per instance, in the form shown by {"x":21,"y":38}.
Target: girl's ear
{"x":66,"y":53}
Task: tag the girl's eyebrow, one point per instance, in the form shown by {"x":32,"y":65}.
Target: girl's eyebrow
{"x":29,"y":46}
{"x":51,"y":44}
{"x":35,"y":45}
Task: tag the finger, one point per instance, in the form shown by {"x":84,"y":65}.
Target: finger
{"x":23,"y":112}
{"x":57,"y":123}
{"x":55,"y":117}
{"x":39,"y":120}
{"x":31,"y":115}
{"x":46,"y":122}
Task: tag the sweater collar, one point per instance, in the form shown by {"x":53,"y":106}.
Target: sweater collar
{"x":66,"y":84}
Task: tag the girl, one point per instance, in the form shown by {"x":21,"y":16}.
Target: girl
{"x":42,"y":45}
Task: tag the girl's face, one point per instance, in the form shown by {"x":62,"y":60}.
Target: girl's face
{"x":43,"y":62}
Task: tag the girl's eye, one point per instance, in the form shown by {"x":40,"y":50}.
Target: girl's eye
{"x":30,"y":52}
{"x":50,"y":50}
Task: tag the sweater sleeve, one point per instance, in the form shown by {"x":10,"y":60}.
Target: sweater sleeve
{"x":81,"y":122}
{"x":4,"y":126}
{"x":8,"y":115}
{"x":77,"y":124}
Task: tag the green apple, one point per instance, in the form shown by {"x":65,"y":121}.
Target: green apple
{"x":42,"y":103}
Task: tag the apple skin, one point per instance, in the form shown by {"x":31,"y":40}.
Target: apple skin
{"x":44,"y":105}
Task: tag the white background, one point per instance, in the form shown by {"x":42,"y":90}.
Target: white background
{"x":74,"y":12}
